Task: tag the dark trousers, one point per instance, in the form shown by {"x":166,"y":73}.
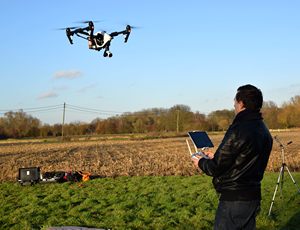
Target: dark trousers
{"x":233,"y":215}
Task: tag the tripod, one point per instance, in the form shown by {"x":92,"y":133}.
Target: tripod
{"x":281,"y":174}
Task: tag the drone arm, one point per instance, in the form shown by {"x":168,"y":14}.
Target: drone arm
{"x":81,"y":31}
{"x":114,"y":34}
{"x":89,"y":28}
{"x":124,"y":32}
{"x":70,"y":39}
{"x":81,"y":36}
{"x":126,"y":37}
{"x":69,"y":34}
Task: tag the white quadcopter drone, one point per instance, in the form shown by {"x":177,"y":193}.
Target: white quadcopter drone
{"x":99,"y":40}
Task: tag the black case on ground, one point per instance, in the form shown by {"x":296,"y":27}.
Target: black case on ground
{"x":29,"y":175}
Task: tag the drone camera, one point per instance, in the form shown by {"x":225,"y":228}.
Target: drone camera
{"x":107,"y":54}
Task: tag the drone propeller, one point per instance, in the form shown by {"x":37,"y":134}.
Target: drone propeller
{"x":126,"y":23}
{"x":88,"y":21}
{"x":134,"y":27}
{"x":65,"y":28}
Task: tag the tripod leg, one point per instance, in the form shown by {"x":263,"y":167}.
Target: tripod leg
{"x":282,"y":178}
{"x":293,"y":179}
{"x":277,"y":184}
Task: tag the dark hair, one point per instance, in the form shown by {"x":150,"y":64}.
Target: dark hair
{"x":251,"y":97}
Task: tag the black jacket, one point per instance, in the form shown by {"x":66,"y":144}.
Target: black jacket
{"x":240,"y":161}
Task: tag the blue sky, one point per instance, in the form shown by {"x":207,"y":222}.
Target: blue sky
{"x":194,"y":53}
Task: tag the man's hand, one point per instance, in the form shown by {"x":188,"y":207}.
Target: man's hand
{"x":195,"y":161}
{"x":209,"y":153}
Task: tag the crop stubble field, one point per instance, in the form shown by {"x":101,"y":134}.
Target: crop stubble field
{"x":125,"y":157}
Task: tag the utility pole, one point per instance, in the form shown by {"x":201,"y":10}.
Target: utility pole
{"x":177,"y":125}
{"x":63,"y":122}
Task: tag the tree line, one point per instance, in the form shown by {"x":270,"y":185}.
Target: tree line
{"x":178,"y":118}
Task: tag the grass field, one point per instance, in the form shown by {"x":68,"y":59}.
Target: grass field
{"x":149,"y":202}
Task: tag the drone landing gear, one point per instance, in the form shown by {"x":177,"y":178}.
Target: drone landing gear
{"x":107,"y":54}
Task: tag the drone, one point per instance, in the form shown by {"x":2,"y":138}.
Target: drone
{"x":99,"y":40}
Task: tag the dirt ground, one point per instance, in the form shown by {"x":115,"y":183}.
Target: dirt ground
{"x":111,"y":158}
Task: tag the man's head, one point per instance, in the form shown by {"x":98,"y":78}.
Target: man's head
{"x":248,"y":97}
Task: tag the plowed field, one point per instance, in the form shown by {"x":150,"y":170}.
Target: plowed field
{"x":111,"y":158}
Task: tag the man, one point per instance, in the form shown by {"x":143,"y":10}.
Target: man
{"x":238,"y":165}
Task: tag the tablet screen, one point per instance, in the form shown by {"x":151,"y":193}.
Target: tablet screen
{"x":200,"y":139}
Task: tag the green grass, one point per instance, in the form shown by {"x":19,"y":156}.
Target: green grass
{"x":136,"y":203}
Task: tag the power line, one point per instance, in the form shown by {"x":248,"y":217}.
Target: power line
{"x":43,"y":108}
{"x":108,"y":112}
{"x":87,"y":111}
{"x":72,"y":108}
{"x":93,"y":110}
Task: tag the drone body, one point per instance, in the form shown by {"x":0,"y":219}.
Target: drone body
{"x":98,"y":41}
{"x":101,"y":40}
